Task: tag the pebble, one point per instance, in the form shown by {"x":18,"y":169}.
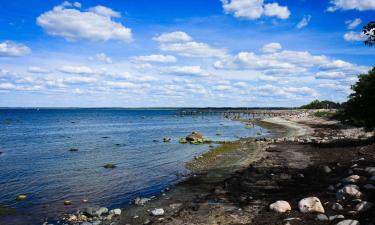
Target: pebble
{"x":369,"y":187}
{"x":157,"y":212}
{"x":348,"y":222}
{"x":310,"y":205}
{"x":280,"y":206}
{"x":335,"y":217}
{"x":141,"y":201}
{"x":363,"y":206}
{"x":349,"y":190}
{"x":116,"y":212}
{"x":337,"y":207}
{"x":321,"y":217}
{"x":327,"y":169}
{"x":370,"y":170}
{"x":351,"y":179}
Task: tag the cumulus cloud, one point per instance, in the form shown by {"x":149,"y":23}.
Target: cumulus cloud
{"x":13,"y":49}
{"x":186,"y":70}
{"x":79,"y":80}
{"x":35,"y":69}
{"x":93,"y":25}
{"x":360,"y":5}
{"x":330,"y":75}
{"x":353,"y":23}
{"x":304,"y":22}
{"x":272,"y":47}
{"x":177,"y":36}
{"x":156,"y":58}
{"x":254,"y":9}
{"x":102,"y":57}
{"x":76,"y":70}
{"x":193,"y":49}
{"x":354,"y":36}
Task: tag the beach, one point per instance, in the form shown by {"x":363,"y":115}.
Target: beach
{"x":288,"y":169}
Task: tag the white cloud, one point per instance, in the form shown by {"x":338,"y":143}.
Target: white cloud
{"x":193,"y":49}
{"x":156,"y":58}
{"x":254,"y":9}
{"x":73,"y":24}
{"x":121,"y":85}
{"x":79,"y":80}
{"x":7,"y":86}
{"x":354,"y":36}
{"x":35,"y":69}
{"x":353,"y":23}
{"x":186,"y":70}
{"x":360,"y":5}
{"x":304,"y":22}
{"x":177,"y":36}
{"x":272,"y":47}
{"x":76,"y":70}
{"x":102,"y":57}
{"x":221,"y":87}
{"x":13,"y":49}
{"x":104,"y":11}
{"x":330,"y":75}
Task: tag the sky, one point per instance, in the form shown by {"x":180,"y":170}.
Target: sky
{"x":167,"y":53}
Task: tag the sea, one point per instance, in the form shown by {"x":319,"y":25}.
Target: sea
{"x":37,"y":160}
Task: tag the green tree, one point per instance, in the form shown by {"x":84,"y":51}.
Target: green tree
{"x":360,"y":108}
{"x":369,"y":31}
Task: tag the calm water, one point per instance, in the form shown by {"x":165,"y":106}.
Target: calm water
{"x":36,"y":159}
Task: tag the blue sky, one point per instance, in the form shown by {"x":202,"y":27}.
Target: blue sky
{"x":141,"y":53}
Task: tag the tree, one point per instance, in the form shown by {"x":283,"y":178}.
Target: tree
{"x":369,"y":31}
{"x":316,"y":104}
{"x":360,"y":108}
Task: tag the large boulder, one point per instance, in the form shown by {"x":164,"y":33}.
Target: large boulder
{"x":280,"y":206}
{"x":310,"y":205}
{"x":195,"y":137}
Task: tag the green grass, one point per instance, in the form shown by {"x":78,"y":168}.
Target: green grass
{"x":325,"y":114}
{"x":227,"y":147}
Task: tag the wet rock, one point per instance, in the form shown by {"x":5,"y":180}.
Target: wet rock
{"x":348,"y":222}
{"x":337,"y":207}
{"x":327,"y":169}
{"x":321,"y":217}
{"x":351,"y":179}
{"x":67,"y":202}
{"x":86,"y":223}
{"x":96,"y":222}
{"x":348,"y":191}
{"x":280,"y":206}
{"x":370,"y":170}
{"x":109,"y":166}
{"x":166,"y":139}
{"x":183,"y":141}
{"x":21,"y":197}
{"x":310,"y":205}
{"x":157,"y":212}
{"x":72,"y":218}
{"x":363,"y":206}
{"x":369,"y":187}
{"x":141,"y":201}
{"x":73,"y":150}
{"x":335,"y":217}
{"x":95,"y":211}
{"x":195,"y":137}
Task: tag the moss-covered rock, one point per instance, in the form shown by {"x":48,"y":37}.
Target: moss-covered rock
{"x":183,"y":141}
{"x":67,"y":202}
{"x":21,"y":197}
{"x":109,"y":166}
{"x":166,"y":139}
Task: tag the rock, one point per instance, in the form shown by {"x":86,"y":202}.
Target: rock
{"x":348,"y":222}
{"x":369,"y":187}
{"x":72,"y":218}
{"x":351,"y":179}
{"x":335,"y":217}
{"x":280,"y":206}
{"x":175,"y":205}
{"x":96,"y":222}
{"x":73,"y":150}
{"x":183,"y":141}
{"x":372,"y":178}
{"x":327,"y":169}
{"x":67,"y":202}
{"x":310,"y":205}
{"x":86,"y":223}
{"x":21,"y":197}
{"x":95,"y":211}
{"x":331,"y":188}
{"x":102,"y":210}
{"x":370,"y":170}
{"x":195,"y":137}
{"x":337,"y":207}
{"x":363,"y":206}
{"x":141,"y":201}
{"x":157,"y":212}
{"x":116,"y":212}
{"x":109,"y":166}
{"x":166,"y":139}
{"x":348,"y":191}
{"x":321,"y":217}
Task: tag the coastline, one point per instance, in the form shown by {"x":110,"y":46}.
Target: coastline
{"x":214,"y":193}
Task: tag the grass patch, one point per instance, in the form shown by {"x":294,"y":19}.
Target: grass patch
{"x":325,"y":114}
{"x":227,"y":147}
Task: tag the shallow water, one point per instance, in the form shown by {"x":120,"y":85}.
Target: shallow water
{"x":36,"y":159}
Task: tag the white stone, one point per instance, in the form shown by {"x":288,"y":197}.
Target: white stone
{"x":348,"y":222}
{"x":336,"y":217}
{"x":321,"y":217}
{"x":280,"y":206}
{"x":141,"y":201}
{"x":310,"y":205}
{"x":115,"y":212}
{"x":157,"y":212}
{"x":363,"y":206}
{"x":349,"y":190}
{"x":351,"y":179}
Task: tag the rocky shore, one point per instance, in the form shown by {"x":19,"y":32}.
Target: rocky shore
{"x":322,"y":172}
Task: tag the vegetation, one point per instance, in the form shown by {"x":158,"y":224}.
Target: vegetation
{"x":325,"y":114}
{"x":369,"y":31}
{"x":316,"y":104}
{"x":360,"y":108}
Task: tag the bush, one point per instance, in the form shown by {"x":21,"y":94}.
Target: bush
{"x":316,"y":104}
